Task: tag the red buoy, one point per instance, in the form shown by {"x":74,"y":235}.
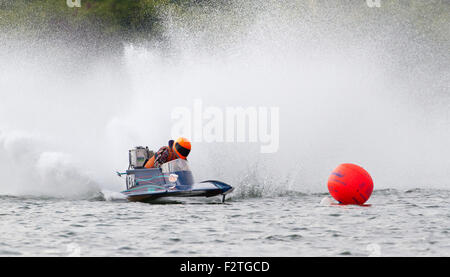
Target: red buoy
{"x":350,"y":184}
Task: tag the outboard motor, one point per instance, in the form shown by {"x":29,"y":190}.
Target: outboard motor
{"x":139,"y":156}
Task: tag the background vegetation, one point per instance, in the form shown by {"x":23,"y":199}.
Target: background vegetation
{"x":99,"y":20}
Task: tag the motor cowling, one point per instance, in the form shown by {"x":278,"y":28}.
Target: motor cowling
{"x":139,"y":156}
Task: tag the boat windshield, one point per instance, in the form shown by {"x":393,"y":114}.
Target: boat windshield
{"x":175,"y":165}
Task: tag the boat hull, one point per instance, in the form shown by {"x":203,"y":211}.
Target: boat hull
{"x":173,"y":180}
{"x":204,"y":189}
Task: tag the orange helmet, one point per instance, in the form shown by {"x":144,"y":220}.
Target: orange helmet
{"x":182,"y":147}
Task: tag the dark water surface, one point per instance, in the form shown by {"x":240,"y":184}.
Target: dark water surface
{"x":398,"y":223}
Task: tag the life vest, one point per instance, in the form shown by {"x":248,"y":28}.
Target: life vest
{"x":172,"y":156}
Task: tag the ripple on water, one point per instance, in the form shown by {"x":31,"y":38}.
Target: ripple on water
{"x":299,"y":229}
{"x":68,"y":234}
{"x":290,"y":237}
{"x":9,"y":253}
{"x":126,"y":248}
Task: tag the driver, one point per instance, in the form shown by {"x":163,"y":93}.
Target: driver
{"x":178,"y":149}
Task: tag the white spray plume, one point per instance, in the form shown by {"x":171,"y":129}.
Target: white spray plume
{"x":28,"y":170}
{"x":342,"y":93}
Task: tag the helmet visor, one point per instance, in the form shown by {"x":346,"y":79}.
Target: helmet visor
{"x":181,"y":150}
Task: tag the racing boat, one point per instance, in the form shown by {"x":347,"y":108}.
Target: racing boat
{"x":173,"y":179}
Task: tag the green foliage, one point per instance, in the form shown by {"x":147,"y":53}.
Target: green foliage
{"x":130,"y":19}
{"x":126,"y":18}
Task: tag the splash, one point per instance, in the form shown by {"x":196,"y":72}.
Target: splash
{"x":28,"y":170}
{"x":344,"y":94}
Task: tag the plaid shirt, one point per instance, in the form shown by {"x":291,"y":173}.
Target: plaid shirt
{"x":162,"y":156}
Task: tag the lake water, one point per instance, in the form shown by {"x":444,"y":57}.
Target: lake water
{"x":398,"y":223}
